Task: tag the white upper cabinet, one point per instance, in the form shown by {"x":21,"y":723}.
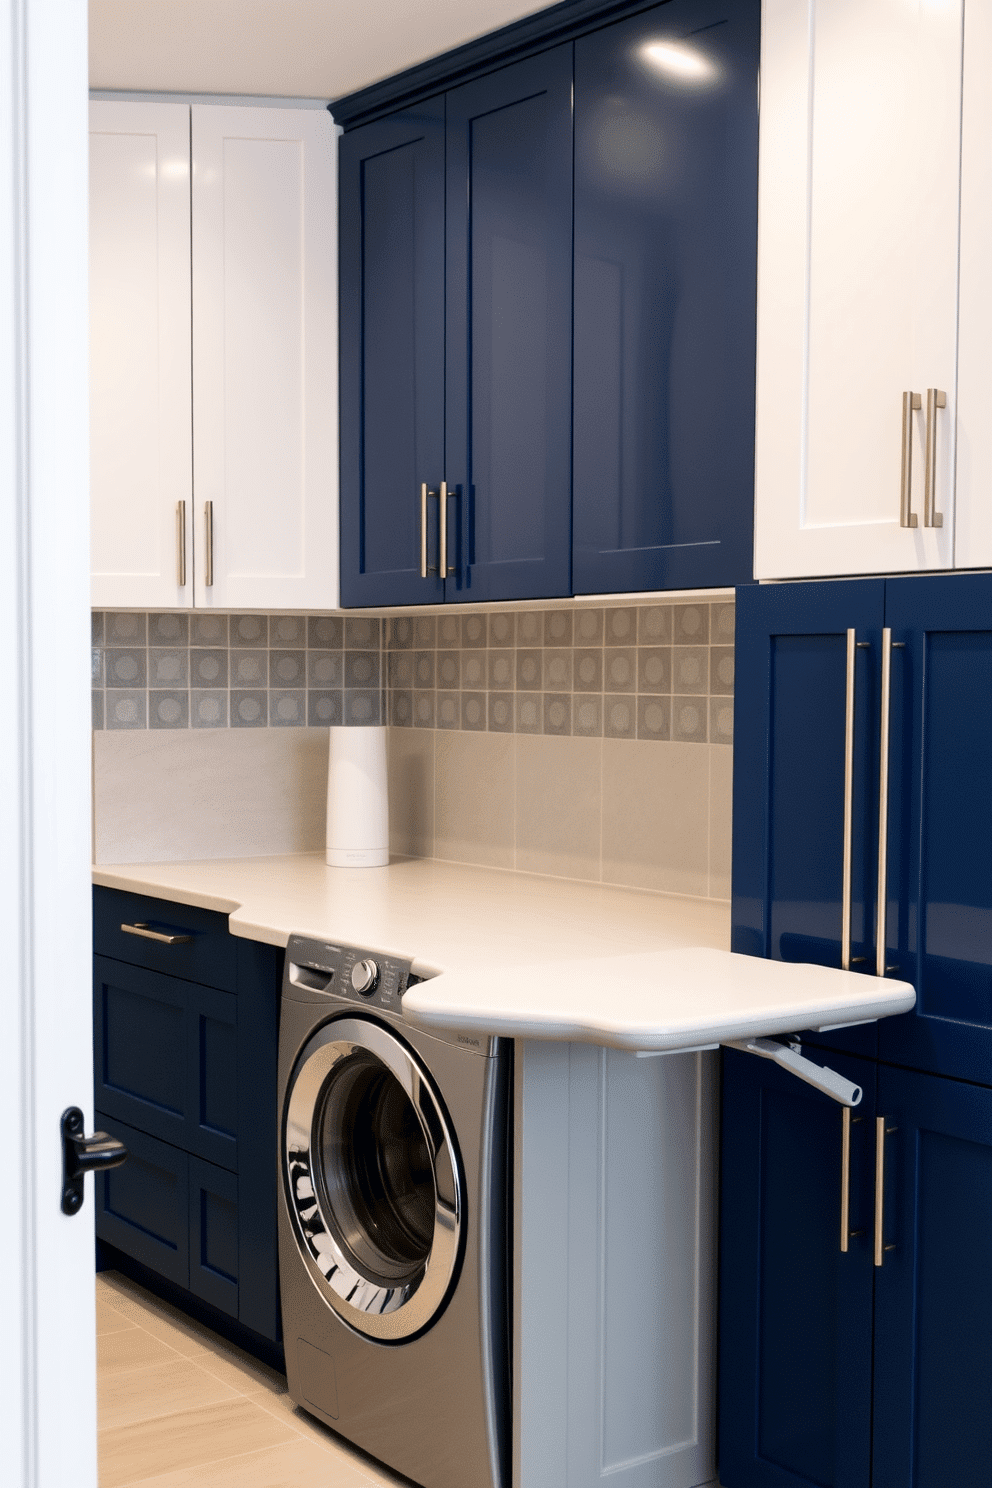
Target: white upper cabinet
{"x":265,"y":345}
{"x":140,"y":386}
{"x":214,"y":357}
{"x":859,"y":172}
{"x":973,"y":533}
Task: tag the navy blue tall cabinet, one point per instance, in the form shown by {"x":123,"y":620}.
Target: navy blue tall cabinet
{"x":547,"y":304}
{"x":883,"y":1373}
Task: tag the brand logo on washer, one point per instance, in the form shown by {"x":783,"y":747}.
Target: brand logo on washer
{"x":463,"y":1038}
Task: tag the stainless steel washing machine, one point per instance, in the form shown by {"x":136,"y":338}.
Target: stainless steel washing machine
{"x":393,"y":1247}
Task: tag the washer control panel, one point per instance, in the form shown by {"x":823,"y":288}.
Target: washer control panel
{"x":353,"y":972}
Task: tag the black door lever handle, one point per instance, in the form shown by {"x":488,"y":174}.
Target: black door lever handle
{"x":81,"y":1155}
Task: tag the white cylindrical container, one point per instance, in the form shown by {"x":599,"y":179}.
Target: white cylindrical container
{"x":357,"y":798}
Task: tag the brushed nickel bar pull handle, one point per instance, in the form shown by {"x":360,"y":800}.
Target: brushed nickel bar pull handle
{"x":881,"y":1132}
{"x":883,"y":804}
{"x":443,"y":539}
{"x":845,"y":928}
{"x":181,"y":542}
{"x":845,"y":1178}
{"x":208,"y":523}
{"x":423,"y":529}
{"x":141,"y":928}
{"x":911,"y":403}
{"x":846,"y":1233}
{"x":931,"y":516}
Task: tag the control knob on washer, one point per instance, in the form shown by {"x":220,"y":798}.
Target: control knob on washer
{"x":364,"y":976}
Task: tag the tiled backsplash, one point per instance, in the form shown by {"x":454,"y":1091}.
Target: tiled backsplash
{"x":656,"y":672}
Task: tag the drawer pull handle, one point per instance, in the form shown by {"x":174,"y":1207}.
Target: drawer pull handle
{"x":141,"y":928}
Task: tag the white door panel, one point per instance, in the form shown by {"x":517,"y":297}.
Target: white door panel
{"x":140,"y":353}
{"x":860,"y":129}
{"x":973,"y":531}
{"x":265,"y":354}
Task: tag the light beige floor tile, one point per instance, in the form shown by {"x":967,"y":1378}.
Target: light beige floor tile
{"x":109,"y":1319}
{"x":656,"y":815}
{"x":290,"y":1465}
{"x":131,"y":1348}
{"x":187,"y":1440}
{"x":474,"y":807}
{"x":367,"y":1470}
{"x":177,"y":1384}
{"x":559,"y":798}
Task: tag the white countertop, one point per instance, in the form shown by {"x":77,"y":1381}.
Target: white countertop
{"x":443,"y":916}
{"x":526,"y":956}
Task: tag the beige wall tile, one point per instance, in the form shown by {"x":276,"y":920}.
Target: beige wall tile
{"x":411,"y":791}
{"x":169,"y":795}
{"x":473,"y":810}
{"x":559,"y":800}
{"x":721,"y":818}
{"x":656,"y":815}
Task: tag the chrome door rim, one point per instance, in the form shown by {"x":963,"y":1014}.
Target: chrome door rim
{"x":386,"y":1312}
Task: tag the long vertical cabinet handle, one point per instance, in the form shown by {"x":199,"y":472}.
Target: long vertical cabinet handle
{"x":443,"y":538}
{"x":424,"y":493}
{"x":846,"y":1233}
{"x":881,"y":902}
{"x":911,"y":403}
{"x":881,"y":1132}
{"x":208,"y":523}
{"x":931,"y":516}
{"x":845,"y":929}
{"x":181,"y":544}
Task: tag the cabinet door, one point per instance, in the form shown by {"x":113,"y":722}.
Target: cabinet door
{"x":166,"y":1058}
{"x":142,"y":1207}
{"x":795,"y":1310}
{"x":973,"y":522}
{"x":933,"y":1292}
{"x":940,"y":824}
{"x":666,"y":170}
{"x":392,"y":355}
{"x":857,"y":281}
{"x":213,"y":1235}
{"x":509,"y":331}
{"x":140,"y":368}
{"x":264,"y":365}
{"x":789,"y":775}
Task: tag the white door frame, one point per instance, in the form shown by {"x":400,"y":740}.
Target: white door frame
{"x":47,"y":1356}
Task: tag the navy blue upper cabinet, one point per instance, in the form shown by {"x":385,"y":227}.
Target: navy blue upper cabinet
{"x":940,"y":823}
{"x":392,"y":353}
{"x":509,"y":307}
{"x":665,"y":270}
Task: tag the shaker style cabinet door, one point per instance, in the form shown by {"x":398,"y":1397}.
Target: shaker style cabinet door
{"x":939,"y":824}
{"x":933,"y":1291}
{"x":857,"y":286}
{"x":392,"y":357}
{"x":265,"y":457}
{"x":140,"y":375}
{"x":795,"y":1309}
{"x":666,"y":142}
{"x":508,"y":331}
{"x":793,"y":663}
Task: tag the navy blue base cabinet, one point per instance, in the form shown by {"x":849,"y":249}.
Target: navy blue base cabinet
{"x":185,"y":1040}
{"x":547,"y":304}
{"x":883,"y":1375}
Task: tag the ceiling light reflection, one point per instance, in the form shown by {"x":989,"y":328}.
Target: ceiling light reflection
{"x":679,"y":61}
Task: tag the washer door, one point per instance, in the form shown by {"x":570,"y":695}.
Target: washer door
{"x":371,"y":1178}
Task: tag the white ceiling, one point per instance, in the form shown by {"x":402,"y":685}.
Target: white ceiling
{"x":284,"y":48}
